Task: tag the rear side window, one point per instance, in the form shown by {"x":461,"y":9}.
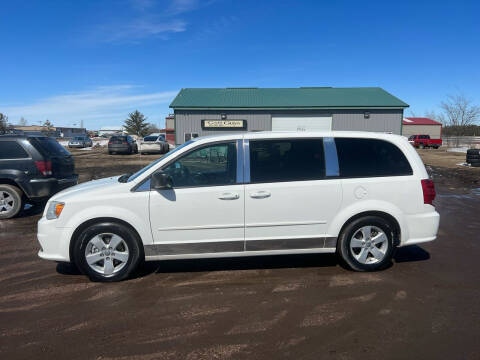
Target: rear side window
{"x":286,"y":160}
{"x":12,"y":150}
{"x":49,"y":146}
{"x":370,"y":157}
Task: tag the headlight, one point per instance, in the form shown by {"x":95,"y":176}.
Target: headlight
{"x":54,"y":209}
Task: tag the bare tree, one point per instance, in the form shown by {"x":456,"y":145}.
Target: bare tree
{"x":459,"y":111}
{"x":3,"y":123}
{"x":431,"y":114}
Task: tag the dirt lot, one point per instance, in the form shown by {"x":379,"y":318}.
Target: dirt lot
{"x":305,"y":307}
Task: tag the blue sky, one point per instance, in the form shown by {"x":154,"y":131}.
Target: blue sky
{"x":98,"y":60}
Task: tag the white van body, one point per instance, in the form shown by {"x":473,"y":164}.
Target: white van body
{"x":245,"y":218}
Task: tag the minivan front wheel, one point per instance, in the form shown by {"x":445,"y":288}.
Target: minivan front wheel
{"x":107,"y":252}
{"x":366,"y":244}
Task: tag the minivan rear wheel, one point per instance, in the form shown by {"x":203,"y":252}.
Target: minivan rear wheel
{"x":107,"y":252}
{"x":11,"y":201}
{"x":366,"y":244}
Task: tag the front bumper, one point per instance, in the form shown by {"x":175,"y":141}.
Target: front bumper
{"x":54,"y":242}
{"x":45,"y":188}
{"x":421,"y":228}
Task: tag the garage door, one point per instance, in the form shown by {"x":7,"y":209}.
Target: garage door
{"x":301,"y":123}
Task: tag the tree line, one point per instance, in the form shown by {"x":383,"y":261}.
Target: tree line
{"x":458,"y":115}
{"x":135,"y":124}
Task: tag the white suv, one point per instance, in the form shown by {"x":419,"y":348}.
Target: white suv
{"x":354,"y":193}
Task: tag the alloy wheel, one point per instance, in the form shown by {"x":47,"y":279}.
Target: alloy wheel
{"x":107,"y":254}
{"x":369,"y":244}
{"x":7,"y":202}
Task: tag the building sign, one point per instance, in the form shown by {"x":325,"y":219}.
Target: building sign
{"x":224,"y":124}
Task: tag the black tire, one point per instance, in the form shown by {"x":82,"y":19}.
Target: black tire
{"x":435,"y":147}
{"x":473,"y":151}
{"x":473,"y":157}
{"x":353,"y":228}
{"x":421,"y":146}
{"x":474,"y":162}
{"x":477,"y":164}
{"x":11,"y":201}
{"x":134,"y":247}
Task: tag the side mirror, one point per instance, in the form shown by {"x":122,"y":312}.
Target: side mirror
{"x":161,"y":181}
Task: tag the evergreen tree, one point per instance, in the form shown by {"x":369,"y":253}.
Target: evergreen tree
{"x":136,"y":124}
{"x":3,"y":123}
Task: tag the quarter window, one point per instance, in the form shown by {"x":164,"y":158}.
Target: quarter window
{"x":212,"y":165}
{"x":370,"y":157}
{"x":12,"y":150}
{"x":286,"y":160}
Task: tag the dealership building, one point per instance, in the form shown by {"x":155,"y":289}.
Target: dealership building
{"x":207,"y":111}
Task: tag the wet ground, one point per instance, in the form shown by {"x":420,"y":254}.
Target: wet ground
{"x":425,"y":306}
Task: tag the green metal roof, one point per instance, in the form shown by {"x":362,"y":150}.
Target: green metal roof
{"x":286,"y":98}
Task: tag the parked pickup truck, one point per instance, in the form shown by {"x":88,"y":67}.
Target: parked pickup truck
{"x":424,"y":141}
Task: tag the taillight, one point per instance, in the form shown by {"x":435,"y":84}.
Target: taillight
{"x":428,"y":191}
{"x":45,"y":167}
{"x":124,"y":142}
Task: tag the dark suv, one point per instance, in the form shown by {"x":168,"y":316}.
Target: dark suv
{"x":122,"y":144}
{"x":32,"y":168}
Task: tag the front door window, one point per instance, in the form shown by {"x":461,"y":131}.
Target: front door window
{"x":213,"y":165}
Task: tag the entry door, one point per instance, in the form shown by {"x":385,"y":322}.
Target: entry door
{"x":301,"y":123}
{"x":204,"y":212}
{"x":289,"y":202}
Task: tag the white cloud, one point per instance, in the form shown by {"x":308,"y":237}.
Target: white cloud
{"x":93,"y":106}
{"x":149,"y":19}
{"x":138,"y":29}
{"x":182,"y":6}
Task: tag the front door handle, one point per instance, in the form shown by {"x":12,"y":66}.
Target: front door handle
{"x":260,"y":194}
{"x":229,"y":196}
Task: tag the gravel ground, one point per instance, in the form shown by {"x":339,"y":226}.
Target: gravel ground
{"x":426,"y":305}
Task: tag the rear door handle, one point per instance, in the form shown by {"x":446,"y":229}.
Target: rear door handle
{"x":229,"y":196}
{"x":260,"y":194}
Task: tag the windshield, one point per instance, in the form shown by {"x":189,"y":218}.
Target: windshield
{"x":78,"y":138}
{"x":150,"y":138}
{"x":152,"y":164}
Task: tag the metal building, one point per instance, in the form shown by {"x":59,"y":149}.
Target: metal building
{"x":200,"y":112}
{"x":422,"y":126}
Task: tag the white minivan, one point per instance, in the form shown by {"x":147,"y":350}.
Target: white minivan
{"x":358,"y":194}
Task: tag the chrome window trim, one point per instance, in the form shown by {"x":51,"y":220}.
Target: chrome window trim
{"x":331,"y":158}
